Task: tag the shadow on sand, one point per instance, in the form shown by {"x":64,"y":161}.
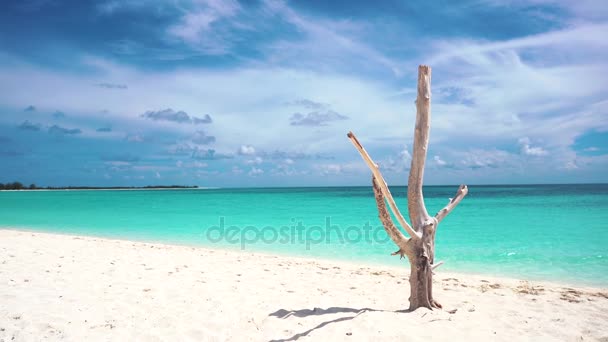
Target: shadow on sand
{"x":283,"y":314}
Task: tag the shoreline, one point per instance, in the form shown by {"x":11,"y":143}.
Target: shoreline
{"x":80,"y":287}
{"x":403,"y":269}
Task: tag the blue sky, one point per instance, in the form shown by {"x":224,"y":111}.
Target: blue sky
{"x":262,"y":93}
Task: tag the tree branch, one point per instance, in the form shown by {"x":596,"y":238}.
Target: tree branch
{"x":434,"y":266}
{"x":385,"y":217}
{"x":382,"y":185}
{"x":415,"y":199}
{"x":462,"y":191}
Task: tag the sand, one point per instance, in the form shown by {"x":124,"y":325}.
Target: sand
{"x":60,"y":287}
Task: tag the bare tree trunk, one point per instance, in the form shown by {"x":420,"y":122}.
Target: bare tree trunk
{"x":420,"y":247}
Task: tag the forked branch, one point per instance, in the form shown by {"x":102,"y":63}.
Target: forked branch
{"x":420,"y":247}
{"x":383,"y":187}
{"x":462,"y":191}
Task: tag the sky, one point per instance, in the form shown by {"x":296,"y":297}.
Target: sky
{"x":221,"y":93}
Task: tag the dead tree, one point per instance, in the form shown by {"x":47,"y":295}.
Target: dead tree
{"x":420,"y":246}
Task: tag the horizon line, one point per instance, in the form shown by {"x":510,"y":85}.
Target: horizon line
{"x":198,"y":187}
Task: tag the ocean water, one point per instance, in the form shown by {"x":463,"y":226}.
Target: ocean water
{"x":542,"y":232}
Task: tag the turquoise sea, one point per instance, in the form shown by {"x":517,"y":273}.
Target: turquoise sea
{"x":550,"y":232}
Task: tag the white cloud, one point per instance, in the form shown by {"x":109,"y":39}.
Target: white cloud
{"x":571,"y":165}
{"x":330,"y":169}
{"x":254,"y":161}
{"x":254,"y":171}
{"x":483,"y":159}
{"x":397,"y":163}
{"x":357,"y":167}
{"x":246,"y":150}
{"x":586,"y":36}
{"x":242,"y":109}
{"x":439,"y":161}
{"x":529,"y":150}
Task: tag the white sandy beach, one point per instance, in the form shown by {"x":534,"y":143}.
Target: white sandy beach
{"x":59,"y":287}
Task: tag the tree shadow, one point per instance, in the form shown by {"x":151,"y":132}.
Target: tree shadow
{"x":283,"y":314}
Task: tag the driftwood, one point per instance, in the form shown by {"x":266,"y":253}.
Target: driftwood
{"x":419,"y":247}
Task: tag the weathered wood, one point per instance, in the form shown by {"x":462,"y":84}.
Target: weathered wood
{"x":415,"y":199}
{"x":433,"y":267}
{"x":462,"y":191}
{"x":420,"y":248}
{"x":382,"y":184}
{"x":385,"y":217}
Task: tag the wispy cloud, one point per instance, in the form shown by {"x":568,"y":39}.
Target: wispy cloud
{"x":320,"y":113}
{"x":482,"y":159}
{"x":293,"y":155}
{"x":255,"y":171}
{"x":210,"y":154}
{"x":60,"y":131}
{"x":566,"y":41}
{"x":58,"y":115}
{"x":104,"y":129}
{"x":308,"y":104}
{"x":324,"y":43}
{"x":178,"y":117}
{"x":111,"y":85}
{"x":29,"y":126}
{"x":121,"y":158}
{"x":201,"y":27}
{"x":530,"y":85}
{"x":440,"y":162}
{"x":201,"y":138}
{"x":316,"y":118}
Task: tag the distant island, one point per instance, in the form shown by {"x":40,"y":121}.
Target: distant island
{"x":20,"y":186}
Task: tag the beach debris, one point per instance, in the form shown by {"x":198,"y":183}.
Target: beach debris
{"x":571,"y":295}
{"x":525,"y":288}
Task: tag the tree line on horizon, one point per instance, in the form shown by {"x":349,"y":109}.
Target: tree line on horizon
{"x":21,"y":186}
{"x":16,"y":186}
